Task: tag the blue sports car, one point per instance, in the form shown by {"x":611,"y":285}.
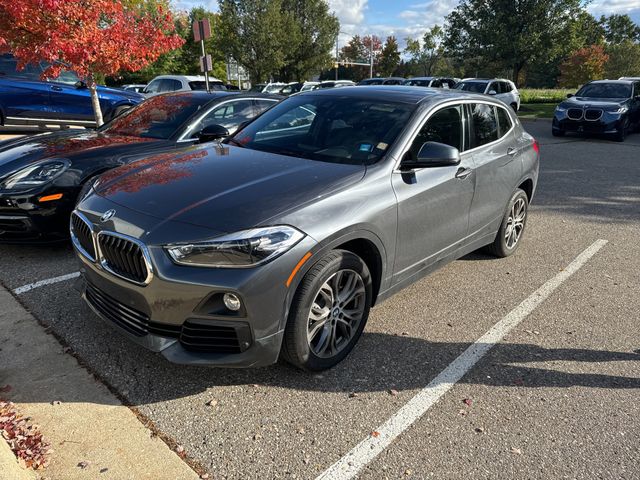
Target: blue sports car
{"x":25,"y":99}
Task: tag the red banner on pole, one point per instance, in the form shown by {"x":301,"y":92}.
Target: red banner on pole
{"x":201,"y":29}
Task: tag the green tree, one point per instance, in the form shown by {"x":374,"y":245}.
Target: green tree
{"x":389,"y":59}
{"x":256,"y":34}
{"x":619,"y":29}
{"x":426,"y":55}
{"x":582,"y":66}
{"x":624,"y":60}
{"x":508,"y":33}
{"x":310,"y":39}
{"x":360,"y":49}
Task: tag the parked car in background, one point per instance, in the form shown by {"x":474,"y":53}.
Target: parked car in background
{"x":25,"y":99}
{"x":502,"y":89}
{"x":432,"y":82}
{"x":290,"y":88}
{"x":138,"y":88}
{"x":272,"y":87}
{"x":181,"y":83}
{"x":308,"y":86}
{"x":381,"y":81}
{"x":609,"y":107}
{"x":334,"y":84}
{"x":41,"y":176}
{"x":278,"y":244}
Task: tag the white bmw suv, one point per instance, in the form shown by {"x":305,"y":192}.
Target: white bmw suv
{"x":500,"y":88}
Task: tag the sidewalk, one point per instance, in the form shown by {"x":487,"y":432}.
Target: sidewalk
{"x":92,"y":434}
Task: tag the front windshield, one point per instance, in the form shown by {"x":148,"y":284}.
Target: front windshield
{"x":476,"y":87}
{"x":158,"y":117}
{"x":605,"y":90}
{"x":330,"y":128}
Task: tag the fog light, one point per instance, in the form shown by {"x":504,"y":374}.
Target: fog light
{"x":231,"y":301}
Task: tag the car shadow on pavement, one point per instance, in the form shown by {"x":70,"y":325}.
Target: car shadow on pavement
{"x":379,"y":363}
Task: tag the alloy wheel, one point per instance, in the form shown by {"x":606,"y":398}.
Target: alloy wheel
{"x":515,"y":223}
{"x":336,"y":313}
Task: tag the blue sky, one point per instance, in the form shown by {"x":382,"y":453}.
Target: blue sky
{"x":410,"y":18}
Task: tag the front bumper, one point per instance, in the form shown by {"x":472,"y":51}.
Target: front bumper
{"x":23,"y":218}
{"x":179,"y":312}
{"x":608,"y":124}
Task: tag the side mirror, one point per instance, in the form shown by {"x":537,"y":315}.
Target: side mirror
{"x":434,"y":154}
{"x":569,"y":95}
{"x":492,"y":92}
{"x":80,"y":84}
{"x":212,"y":132}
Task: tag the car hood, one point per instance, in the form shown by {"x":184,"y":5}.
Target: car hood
{"x":580,"y":102}
{"x":20,"y":152}
{"x":223,"y":188}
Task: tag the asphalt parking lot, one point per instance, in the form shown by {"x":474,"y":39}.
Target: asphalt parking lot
{"x":556,"y":397}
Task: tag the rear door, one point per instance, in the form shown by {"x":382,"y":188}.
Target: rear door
{"x":495,"y":159}
{"x":433,"y":203}
{"x":23,"y":95}
{"x":70,"y":100}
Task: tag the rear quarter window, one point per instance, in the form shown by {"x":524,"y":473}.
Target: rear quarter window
{"x":485,"y":124}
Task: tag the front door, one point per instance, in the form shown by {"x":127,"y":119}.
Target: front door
{"x":433,"y":203}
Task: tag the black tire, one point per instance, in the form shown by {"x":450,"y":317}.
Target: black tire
{"x":621,"y":135}
{"x":296,"y":347}
{"x":118,"y":111}
{"x":557,"y":132}
{"x":500,"y":247}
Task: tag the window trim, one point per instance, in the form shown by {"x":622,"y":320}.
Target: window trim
{"x":181,"y":137}
{"x":406,"y":144}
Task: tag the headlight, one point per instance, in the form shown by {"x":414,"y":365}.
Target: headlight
{"x":561,"y":109}
{"x":242,"y":249}
{"x":35,"y":175}
{"x":623,"y":109}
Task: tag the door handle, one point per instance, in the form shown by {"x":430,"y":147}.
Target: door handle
{"x":57,"y":89}
{"x":463,"y":172}
{"x":512,"y":151}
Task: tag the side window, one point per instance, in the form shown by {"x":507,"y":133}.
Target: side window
{"x":444,"y":126}
{"x":176,"y":85}
{"x":495,"y":87}
{"x":169,"y":85}
{"x":437,"y":83}
{"x":506,"y":87}
{"x":153,"y":87}
{"x":262,"y":105}
{"x":504,"y":121}
{"x":485,"y":124}
{"x":229,"y":115}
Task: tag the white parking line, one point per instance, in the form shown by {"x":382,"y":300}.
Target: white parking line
{"x":367,"y":450}
{"x":48,"y":281}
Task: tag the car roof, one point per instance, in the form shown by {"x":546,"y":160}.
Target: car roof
{"x":619,"y":82}
{"x":205,"y":96}
{"x":399,"y":93}
{"x":188,"y":78}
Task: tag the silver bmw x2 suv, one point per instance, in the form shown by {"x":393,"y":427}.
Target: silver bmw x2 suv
{"x":277,"y":241}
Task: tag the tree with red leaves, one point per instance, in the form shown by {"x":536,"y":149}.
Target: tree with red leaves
{"x":90,"y":37}
{"x":583,"y":65}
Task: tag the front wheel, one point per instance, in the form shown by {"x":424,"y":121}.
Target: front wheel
{"x":329,"y":312}
{"x":621,"y":135}
{"x":512,"y":227}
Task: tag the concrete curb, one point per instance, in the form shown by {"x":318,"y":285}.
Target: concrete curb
{"x":9,"y":466}
{"x":91,"y":432}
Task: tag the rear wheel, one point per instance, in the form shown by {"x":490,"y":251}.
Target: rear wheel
{"x":329,"y":312}
{"x":512,"y":227}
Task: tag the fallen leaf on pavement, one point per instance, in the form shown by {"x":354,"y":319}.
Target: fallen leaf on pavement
{"x":516,"y":451}
{"x":393,"y":392}
{"x":5,"y":389}
{"x":375,"y":434}
{"x":467,"y":401}
{"x":212,"y":403}
{"x":479,"y":430}
{"x":83,"y":464}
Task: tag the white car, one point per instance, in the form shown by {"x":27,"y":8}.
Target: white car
{"x":178,"y":83}
{"x":633,"y":79}
{"x":500,"y":88}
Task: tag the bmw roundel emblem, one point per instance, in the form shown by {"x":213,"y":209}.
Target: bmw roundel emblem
{"x":107,"y":215}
